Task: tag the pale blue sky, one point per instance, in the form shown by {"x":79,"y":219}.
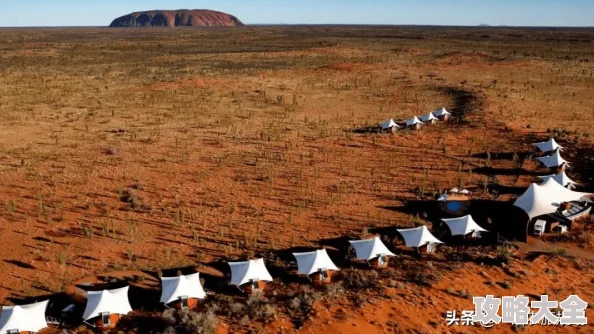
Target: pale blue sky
{"x":434,"y":12}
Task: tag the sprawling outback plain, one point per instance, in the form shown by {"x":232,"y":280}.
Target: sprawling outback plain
{"x":125,"y":153}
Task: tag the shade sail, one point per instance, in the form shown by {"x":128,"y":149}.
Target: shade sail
{"x":388,"y":124}
{"x":554,"y":160}
{"x":311,"y":262}
{"x":370,"y":249}
{"x":561,"y":178}
{"x":545,"y":198}
{"x":107,"y":301}
{"x":413,"y":121}
{"x":463,"y":225}
{"x":548,"y":146}
{"x":243,"y":272}
{"x":441,"y":112}
{"x":25,"y":318}
{"x":181,"y":286}
{"x":428,"y":117}
{"x":417,"y":237}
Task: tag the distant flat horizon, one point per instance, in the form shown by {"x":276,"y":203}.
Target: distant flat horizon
{"x":247,"y":25}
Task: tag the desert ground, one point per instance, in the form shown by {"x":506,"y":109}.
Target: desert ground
{"x":127,"y":153}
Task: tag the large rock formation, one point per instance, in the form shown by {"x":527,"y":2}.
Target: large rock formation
{"x":177,"y":18}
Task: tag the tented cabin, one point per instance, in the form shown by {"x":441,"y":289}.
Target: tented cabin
{"x":316,"y":265}
{"x":182,"y":291}
{"x":548,"y":146}
{"x":23,"y":319}
{"x":373,"y":251}
{"x":105,"y":308}
{"x":464,"y":226}
{"x":413,"y":123}
{"x":562,"y":179}
{"x":419,"y":238}
{"x":249,"y":276}
{"x":554,"y":162}
{"x":389,"y":126}
{"x":442,"y":114}
{"x":429,"y":118}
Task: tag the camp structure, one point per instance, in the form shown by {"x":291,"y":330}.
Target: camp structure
{"x":316,"y":265}
{"x":551,"y":202}
{"x":454,"y":191}
{"x":442,"y":114}
{"x":181,"y":291}
{"x":105,"y":308}
{"x":419,"y":238}
{"x":23,"y":319}
{"x":249,"y":276}
{"x":429,"y":118}
{"x":464,"y":192}
{"x":413,"y":123}
{"x":464,"y":226}
{"x":442,"y":198}
{"x":554,"y":161}
{"x":373,"y":251}
{"x":562,"y":179}
{"x":548,"y":146}
{"x":389,"y":126}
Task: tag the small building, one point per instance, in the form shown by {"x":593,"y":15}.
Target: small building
{"x":182,"y":291}
{"x":389,"y":126}
{"x":105,"y":308}
{"x":442,"y":114}
{"x":429,"y":118}
{"x":464,"y":226}
{"x":23,"y":319}
{"x":419,"y":238}
{"x":316,"y":265}
{"x":373,"y":251}
{"x":249,"y":276}
{"x":548,"y":146}
{"x":413,"y":123}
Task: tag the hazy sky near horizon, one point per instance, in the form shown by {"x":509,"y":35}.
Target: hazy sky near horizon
{"x":18,"y":13}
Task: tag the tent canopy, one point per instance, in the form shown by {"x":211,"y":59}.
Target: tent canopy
{"x":463,"y":225}
{"x":548,"y":146}
{"x":417,"y":237}
{"x":311,"y":262}
{"x":371,"y":248}
{"x":25,"y":318}
{"x":561,"y":178}
{"x":554,"y":160}
{"x":388,"y":124}
{"x":112,"y":301}
{"x":413,"y":121}
{"x":243,"y":272}
{"x":545,"y":198}
{"x":181,"y":286}
{"x":441,"y":112}
{"x":428,"y":117}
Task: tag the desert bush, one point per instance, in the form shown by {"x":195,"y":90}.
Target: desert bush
{"x":359,"y":279}
{"x":504,"y":255}
{"x":190,"y":322}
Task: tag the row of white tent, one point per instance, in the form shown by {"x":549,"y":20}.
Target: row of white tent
{"x":427,"y":118}
{"x":554,"y":159}
{"x":31,"y":318}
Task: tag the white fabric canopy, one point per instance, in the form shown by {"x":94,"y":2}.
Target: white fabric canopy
{"x":181,"y":286}
{"x":545,"y":198}
{"x":428,"y":117}
{"x":413,"y":121}
{"x":389,"y":124}
{"x":554,"y":160}
{"x":441,"y":112}
{"x":417,"y":237}
{"x":454,"y":190}
{"x":548,"y":146}
{"x":463,"y":225}
{"x":25,"y":318}
{"x":464,"y":192}
{"x":243,"y":272}
{"x":311,"y":262}
{"x":111,"y":301}
{"x":561,"y":178}
{"x":369,"y":249}
{"x":442,"y":198}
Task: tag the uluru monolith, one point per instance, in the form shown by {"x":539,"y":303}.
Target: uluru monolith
{"x":177,"y":18}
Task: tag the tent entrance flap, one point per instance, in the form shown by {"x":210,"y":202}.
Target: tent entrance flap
{"x":183,"y":301}
{"x":105,"y":318}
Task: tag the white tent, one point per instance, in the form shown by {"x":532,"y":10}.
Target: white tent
{"x":312,"y":262}
{"x":442,"y":198}
{"x":25,"y":318}
{"x":413,"y":121}
{"x":370,"y":249}
{"x":388,"y":124}
{"x":418,"y":237}
{"x":463,"y":225}
{"x":548,"y":146}
{"x":428,"y":118}
{"x":181,"y":286}
{"x":107,"y":301}
{"x":554,"y":160}
{"x":244,"y":272}
{"x":441,"y":112}
{"x":545,"y":198}
{"x":454,"y":190}
{"x":464,"y":192}
{"x":561,"y":178}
